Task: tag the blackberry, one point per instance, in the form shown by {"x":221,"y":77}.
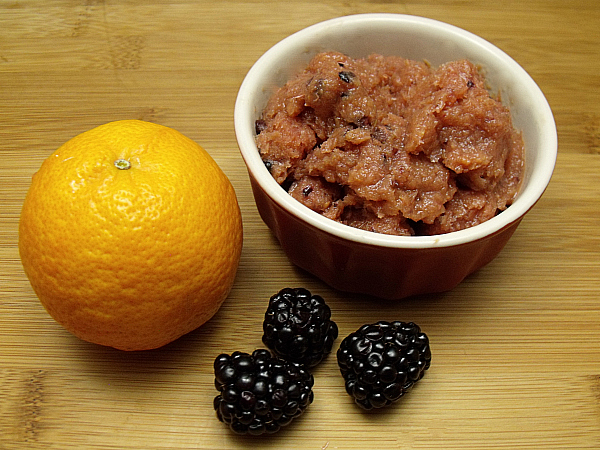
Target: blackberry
{"x":260,"y":393}
{"x":380,"y":362}
{"x":298,"y":326}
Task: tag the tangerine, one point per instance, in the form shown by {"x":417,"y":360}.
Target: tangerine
{"x":130,"y":235}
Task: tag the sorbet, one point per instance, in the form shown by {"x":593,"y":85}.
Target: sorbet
{"x":391,"y":145}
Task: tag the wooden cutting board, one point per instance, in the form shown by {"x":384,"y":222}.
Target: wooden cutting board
{"x":516,"y":354}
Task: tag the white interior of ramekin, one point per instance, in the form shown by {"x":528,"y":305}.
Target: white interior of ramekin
{"x":410,"y":37}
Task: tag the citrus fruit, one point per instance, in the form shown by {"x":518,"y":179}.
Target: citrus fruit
{"x":130,"y":235}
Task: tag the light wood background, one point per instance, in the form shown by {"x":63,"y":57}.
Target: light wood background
{"x":516,"y":354}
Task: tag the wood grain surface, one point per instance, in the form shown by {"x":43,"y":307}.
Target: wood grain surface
{"x":516,"y":354}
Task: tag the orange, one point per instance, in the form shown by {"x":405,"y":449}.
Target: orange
{"x":130,"y":235}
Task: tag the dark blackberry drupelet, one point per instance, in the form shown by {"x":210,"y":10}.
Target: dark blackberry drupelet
{"x":380,"y":362}
{"x":298,"y":326}
{"x":260,"y":393}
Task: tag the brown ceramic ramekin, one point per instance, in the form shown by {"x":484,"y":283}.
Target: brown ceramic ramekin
{"x":381,"y":265}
